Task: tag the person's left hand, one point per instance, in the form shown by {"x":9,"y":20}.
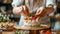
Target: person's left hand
{"x":41,"y":12}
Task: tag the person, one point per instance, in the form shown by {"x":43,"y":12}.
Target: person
{"x":30,"y":6}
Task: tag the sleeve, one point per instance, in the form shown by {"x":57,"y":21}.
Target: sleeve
{"x":53,"y":2}
{"x":17,"y":2}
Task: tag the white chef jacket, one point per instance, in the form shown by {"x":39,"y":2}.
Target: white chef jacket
{"x":32,"y":5}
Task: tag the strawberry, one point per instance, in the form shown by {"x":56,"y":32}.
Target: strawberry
{"x":34,"y":18}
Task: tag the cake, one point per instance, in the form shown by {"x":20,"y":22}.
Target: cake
{"x":31,"y":22}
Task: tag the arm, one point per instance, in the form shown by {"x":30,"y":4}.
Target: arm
{"x":44,"y":11}
{"x":15,"y":3}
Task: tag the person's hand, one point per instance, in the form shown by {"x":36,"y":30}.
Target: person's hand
{"x":17,"y":10}
{"x":20,"y":10}
{"x":25,"y":10}
{"x":41,"y":12}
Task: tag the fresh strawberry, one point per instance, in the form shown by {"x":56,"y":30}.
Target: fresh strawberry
{"x":34,"y":18}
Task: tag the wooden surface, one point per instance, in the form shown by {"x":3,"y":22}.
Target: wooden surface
{"x":32,"y":28}
{"x":8,"y":32}
{"x":34,"y":32}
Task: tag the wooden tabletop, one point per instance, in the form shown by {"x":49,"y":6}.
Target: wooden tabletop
{"x":43,"y":26}
{"x":32,"y":28}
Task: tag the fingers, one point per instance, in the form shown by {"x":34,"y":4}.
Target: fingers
{"x":25,"y":10}
{"x":40,"y":10}
{"x":20,"y":10}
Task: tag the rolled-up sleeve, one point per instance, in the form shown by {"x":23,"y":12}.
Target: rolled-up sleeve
{"x":53,"y":2}
{"x":50,"y":2}
{"x":17,"y":2}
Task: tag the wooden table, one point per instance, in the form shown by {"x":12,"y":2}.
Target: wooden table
{"x":33,"y":30}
